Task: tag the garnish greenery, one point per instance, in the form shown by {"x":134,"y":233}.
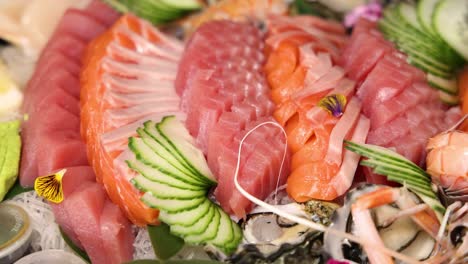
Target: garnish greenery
{"x":399,"y":169}
{"x":81,"y":253}
{"x":165,"y":244}
{"x":16,"y":189}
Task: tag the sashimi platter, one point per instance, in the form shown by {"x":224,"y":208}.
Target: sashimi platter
{"x":233,"y":131}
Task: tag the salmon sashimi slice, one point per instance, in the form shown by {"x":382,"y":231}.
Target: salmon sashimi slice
{"x":128,"y":78}
{"x":301,"y":71}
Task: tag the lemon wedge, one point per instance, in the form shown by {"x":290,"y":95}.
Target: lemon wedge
{"x":10,"y":95}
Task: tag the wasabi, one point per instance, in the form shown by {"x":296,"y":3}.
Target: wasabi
{"x":10,"y":149}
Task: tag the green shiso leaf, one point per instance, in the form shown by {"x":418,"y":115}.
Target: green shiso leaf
{"x":399,"y":169}
{"x":17,"y":189}
{"x":164,"y":243}
{"x":81,"y":253}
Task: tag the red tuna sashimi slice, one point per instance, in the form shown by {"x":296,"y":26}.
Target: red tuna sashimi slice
{"x":79,"y":24}
{"x":58,"y":119}
{"x":67,"y":44}
{"x":73,"y":179}
{"x":60,"y":149}
{"x":418,"y":93}
{"x":367,"y":51}
{"x":116,"y":234}
{"x":56,"y":96}
{"x":214,"y":82}
{"x":64,"y":80}
{"x":102,"y":12}
{"x":84,"y":208}
{"x":406,"y":114}
{"x":383,"y":83}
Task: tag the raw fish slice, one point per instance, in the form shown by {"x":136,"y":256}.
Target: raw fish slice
{"x":122,"y":116}
{"x":78,"y":23}
{"x":100,"y":11}
{"x":59,"y":119}
{"x":383,"y":83}
{"x":117,"y":99}
{"x":67,"y":44}
{"x":217,"y":85}
{"x":124,"y":64}
{"x":116,"y":231}
{"x":59,"y":97}
{"x":321,"y":168}
{"x":403,"y":109}
{"x":84,"y":208}
{"x":75,"y":177}
{"x":116,"y":139}
{"x":59,"y":150}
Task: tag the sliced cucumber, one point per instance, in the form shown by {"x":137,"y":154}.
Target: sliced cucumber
{"x":182,"y":4}
{"x":177,"y":135}
{"x":166,"y":161}
{"x":172,"y":205}
{"x":176,"y":179}
{"x":150,"y":128}
{"x":157,"y":176}
{"x":425,"y":9}
{"x":232,"y":246}
{"x":199,"y":227}
{"x":146,"y":155}
{"x":449,"y":86}
{"x":408,"y":13}
{"x":385,"y":159}
{"x":226,"y":233}
{"x":164,"y":191}
{"x":451,"y":23}
{"x":186,"y":218}
{"x":449,"y":99}
{"x":210,"y":232}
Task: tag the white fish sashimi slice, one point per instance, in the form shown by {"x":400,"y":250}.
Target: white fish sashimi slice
{"x":137,"y":71}
{"x":142,"y":85}
{"x":117,"y":51}
{"x":122,"y":116}
{"x":117,"y":139}
{"x":117,"y":99}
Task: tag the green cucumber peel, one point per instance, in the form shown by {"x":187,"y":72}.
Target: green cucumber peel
{"x":399,"y":169}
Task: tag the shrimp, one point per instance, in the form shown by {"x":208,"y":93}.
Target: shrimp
{"x":366,"y":228}
{"x":447,"y":162}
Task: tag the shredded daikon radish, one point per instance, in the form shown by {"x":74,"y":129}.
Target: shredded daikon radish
{"x":46,"y":234}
